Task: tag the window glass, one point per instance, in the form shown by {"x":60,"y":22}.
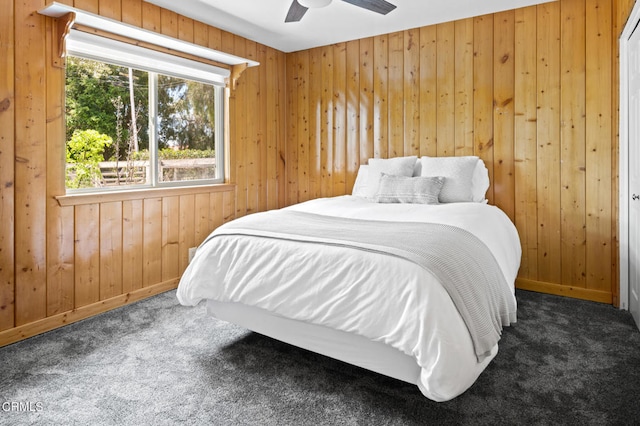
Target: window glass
{"x":186,"y":129}
{"x":128,"y":127}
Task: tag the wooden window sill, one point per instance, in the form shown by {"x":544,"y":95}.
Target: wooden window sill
{"x":140,"y":194}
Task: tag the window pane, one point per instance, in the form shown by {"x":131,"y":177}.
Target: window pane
{"x":107,"y":125}
{"x":186,"y":124}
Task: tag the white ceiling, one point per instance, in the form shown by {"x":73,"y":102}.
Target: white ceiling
{"x":263,"y":20}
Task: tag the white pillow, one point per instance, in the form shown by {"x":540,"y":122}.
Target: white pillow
{"x":400,"y":166}
{"x":360,"y":185}
{"x":417,"y":169}
{"x":458,"y":173}
{"x":480,"y":182}
{"x":403,"y":189}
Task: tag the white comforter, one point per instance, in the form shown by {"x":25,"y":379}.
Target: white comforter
{"x":383,"y":298}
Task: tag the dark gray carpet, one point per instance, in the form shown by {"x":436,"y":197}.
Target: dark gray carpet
{"x":157,"y":363}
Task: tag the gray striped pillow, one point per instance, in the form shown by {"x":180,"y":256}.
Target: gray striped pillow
{"x":403,"y":189}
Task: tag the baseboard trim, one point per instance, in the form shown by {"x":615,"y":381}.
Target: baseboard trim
{"x":565,"y":290}
{"x":31,"y":329}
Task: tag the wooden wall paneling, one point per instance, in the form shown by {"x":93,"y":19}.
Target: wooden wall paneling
{"x":352,"y":109}
{"x":525,"y":140}
{"x":60,"y":279}
{"x":380,"y":96}
{"x":279,"y":72}
{"x":215,"y":38}
{"x":87,"y":255}
{"x":446,"y":107}
{"x":282,"y":130}
{"x":339,"y":118}
{"x":152,"y":240}
{"x":396,"y":95}
{"x":302,"y":126}
{"x":110,"y":9}
{"x":428,"y":90}
{"x":253,"y":141}
{"x":204,"y":211}
{"x":60,"y":258}
{"x":270,"y":90}
{"x":151,"y":19}
{"x":240,"y":124}
{"x":572,"y":142}
{"x":132,"y":245}
{"x":503,"y":114}
{"x":132,"y":12}
{"x":201,"y":34}
{"x":168,"y":23}
{"x":315,"y":123}
{"x":7,"y":166}
{"x":548,"y":130}
{"x":326,"y":122}
{"x":483,"y":93}
{"x":189,"y":219}
{"x":228,"y":207}
{"x":411,"y":93}
{"x":110,"y":238}
{"x":621,"y":9}
{"x":463,"y":128}
{"x":170,"y":232}
{"x":88,"y":5}
{"x":263,"y":133}
{"x":598,"y":77}
{"x":292,"y":129}
{"x":30,"y":163}
{"x":216,"y":210}
{"x":366,"y":108}
{"x":185,"y":29}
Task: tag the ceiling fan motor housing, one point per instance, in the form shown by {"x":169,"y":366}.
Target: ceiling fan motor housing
{"x":314,"y":4}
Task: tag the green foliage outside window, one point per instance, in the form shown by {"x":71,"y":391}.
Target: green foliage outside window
{"x":85,"y":151}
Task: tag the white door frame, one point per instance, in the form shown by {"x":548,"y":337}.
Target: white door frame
{"x":623,"y":163}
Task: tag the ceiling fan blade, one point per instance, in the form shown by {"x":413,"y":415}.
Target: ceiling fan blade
{"x":380,"y":6}
{"x":296,"y":12}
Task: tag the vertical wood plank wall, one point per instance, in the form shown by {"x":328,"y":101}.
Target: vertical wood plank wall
{"x":58,"y":263}
{"x":532,"y":91}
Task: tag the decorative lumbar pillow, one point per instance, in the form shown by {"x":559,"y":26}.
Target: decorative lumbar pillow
{"x":458,"y":174}
{"x":360,"y":185}
{"x":400,"y":166}
{"x":403,"y":189}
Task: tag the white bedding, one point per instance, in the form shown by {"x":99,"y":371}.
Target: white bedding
{"x":383,"y":298}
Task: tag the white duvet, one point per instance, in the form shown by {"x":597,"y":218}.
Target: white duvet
{"x":383,"y":298}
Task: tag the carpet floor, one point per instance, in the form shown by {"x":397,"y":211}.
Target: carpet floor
{"x":155,"y":362}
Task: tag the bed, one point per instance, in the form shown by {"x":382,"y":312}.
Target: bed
{"x":353,"y":277}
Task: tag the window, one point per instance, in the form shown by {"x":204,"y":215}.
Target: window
{"x":140,"y":118}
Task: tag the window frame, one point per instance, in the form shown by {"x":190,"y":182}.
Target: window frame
{"x":86,"y":48}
